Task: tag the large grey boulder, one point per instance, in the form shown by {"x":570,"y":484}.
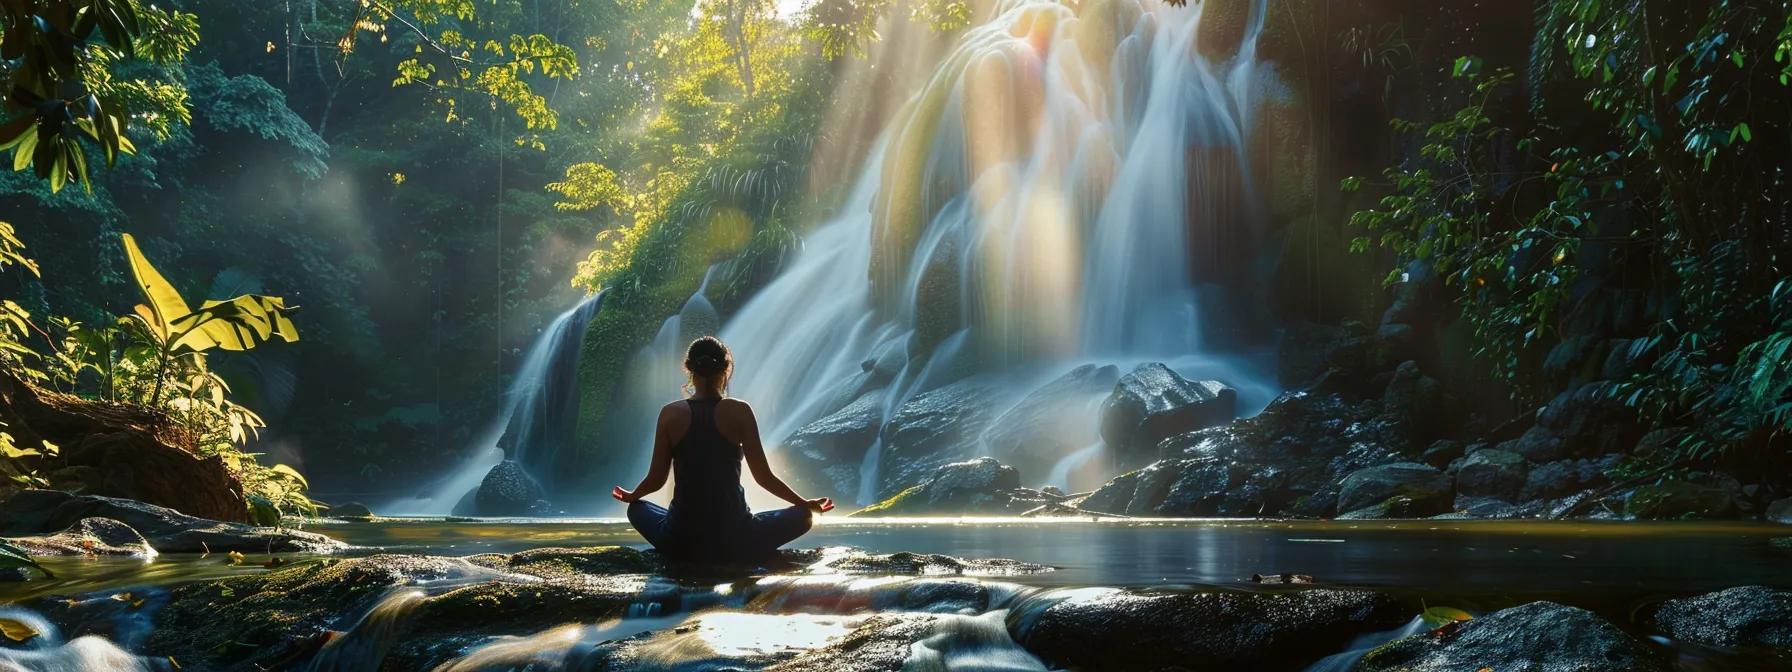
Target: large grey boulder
{"x":1222,"y":630}
{"x":38,"y":512}
{"x":1398,"y":490}
{"x":1746,"y":616}
{"x":508,"y":490}
{"x":979,"y":486}
{"x":1052,"y":421}
{"x":1492,"y":473}
{"x":1153,"y":403}
{"x":936,"y":427}
{"x":824,"y":455}
{"x":1536,"y":637}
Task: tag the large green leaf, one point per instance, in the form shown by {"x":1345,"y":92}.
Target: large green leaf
{"x":164,"y":302}
{"x":237,"y":324}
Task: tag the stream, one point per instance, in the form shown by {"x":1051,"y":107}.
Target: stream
{"x":1612,"y":568}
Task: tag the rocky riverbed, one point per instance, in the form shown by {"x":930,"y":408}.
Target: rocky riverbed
{"x":333,"y":605}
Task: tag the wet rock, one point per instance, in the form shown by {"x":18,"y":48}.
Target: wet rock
{"x":1492,"y":473}
{"x":1227,"y":630}
{"x":1540,"y":636}
{"x":507,"y":490}
{"x":844,"y":560}
{"x":1537,"y":445}
{"x":1780,"y":511}
{"x":168,"y":531}
{"x":1551,"y":480}
{"x":1442,"y":452}
{"x":1052,"y":421}
{"x":839,"y":643}
{"x":89,"y":536}
{"x":1136,"y":493}
{"x":1401,"y":489}
{"x":1590,"y":421}
{"x":351,"y":511}
{"x":1153,"y":403}
{"x":936,"y":427}
{"x":1682,"y":499}
{"x":979,"y":486}
{"x":825,"y":455}
{"x":1746,"y":616}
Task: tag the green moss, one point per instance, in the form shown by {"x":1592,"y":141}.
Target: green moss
{"x":888,"y":506}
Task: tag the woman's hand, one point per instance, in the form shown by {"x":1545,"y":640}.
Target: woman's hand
{"x":819,"y":504}
{"x":625,"y":496}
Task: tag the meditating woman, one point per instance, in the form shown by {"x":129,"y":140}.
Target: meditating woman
{"x":702,"y":440}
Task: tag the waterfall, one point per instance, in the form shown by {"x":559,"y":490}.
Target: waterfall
{"x":539,"y":415}
{"x":1068,"y":186}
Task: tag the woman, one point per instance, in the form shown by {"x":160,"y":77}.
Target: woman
{"x":702,"y":441}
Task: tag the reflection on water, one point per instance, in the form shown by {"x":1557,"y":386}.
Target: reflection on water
{"x":1477,"y":565}
{"x":1518,"y":558}
{"x":1509,"y":560}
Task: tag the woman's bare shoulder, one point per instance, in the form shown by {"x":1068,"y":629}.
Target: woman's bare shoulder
{"x":676,"y":410}
{"x":733,"y":408}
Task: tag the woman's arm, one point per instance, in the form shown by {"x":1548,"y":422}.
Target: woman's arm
{"x":746,"y":430}
{"x":661,"y":466}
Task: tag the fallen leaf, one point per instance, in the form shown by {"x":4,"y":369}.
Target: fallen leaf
{"x":236,"y":558}
{"x":16,"y":630}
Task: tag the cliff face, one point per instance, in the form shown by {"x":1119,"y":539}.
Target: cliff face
{"x":117,"y":450}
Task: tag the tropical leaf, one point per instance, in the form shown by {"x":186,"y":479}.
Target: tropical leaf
{"x":164,"y":302}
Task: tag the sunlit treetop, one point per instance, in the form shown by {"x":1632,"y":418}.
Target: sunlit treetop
{"x":456,"y":58}
{"x":60,"y":66}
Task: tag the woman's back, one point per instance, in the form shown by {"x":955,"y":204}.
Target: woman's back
{"x":706,"y":470}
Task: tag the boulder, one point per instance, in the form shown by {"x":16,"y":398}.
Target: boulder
{"x":1540,"y":637}
{"x":1590,"y":421}
{"x":508,"y":490}
{"x":90,"y":537}
{"x":1780,"y":511}
{"x":979,"y":486}
{"x":825,"y":455}
{"x":1223,"y":630}
{"x":1682,"y":499}
{"x":936,"y":427}
{"x":1492,"y":473}
{"x":1537,"y":445}
{"x":350,"y":510}
{"x":33,"y":512}
{"x":1551,"y":480}
{"x":1052,"y":421}
{"x":118,"y":450}
{"x":1153,"y":403}
{"x":1401,"y":489}
{"x":1442,"y":452}
{"x":1746,"y":616}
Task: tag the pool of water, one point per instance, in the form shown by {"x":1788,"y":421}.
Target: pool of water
{"x":1591,"y":563}
{"x":1609,"y":567}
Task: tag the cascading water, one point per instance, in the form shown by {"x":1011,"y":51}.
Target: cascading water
{"x":538,"y":417}
{"x":1057,"y":193}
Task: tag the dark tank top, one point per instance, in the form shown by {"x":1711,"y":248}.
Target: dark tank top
{"x":709,"y":507}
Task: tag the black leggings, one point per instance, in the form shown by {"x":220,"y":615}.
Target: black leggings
{"x":766,"y":532}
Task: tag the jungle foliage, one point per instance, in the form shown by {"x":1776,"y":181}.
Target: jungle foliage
{"x":430,"y":178}
{"x":1645,"y":170}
